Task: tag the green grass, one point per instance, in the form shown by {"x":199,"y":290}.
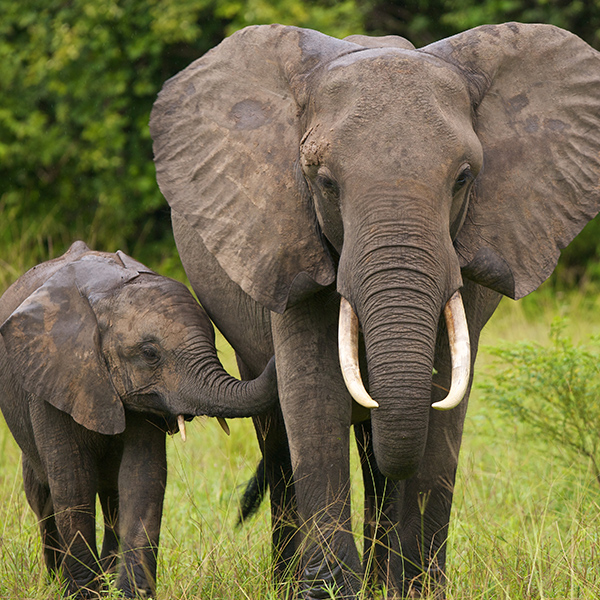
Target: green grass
{"x":524,"y":525}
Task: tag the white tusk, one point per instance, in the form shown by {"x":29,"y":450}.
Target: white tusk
{"x":224,"y":425}
{"x":181,"y":423}
{"x":460,"y":351}
{"x":348,"y":349}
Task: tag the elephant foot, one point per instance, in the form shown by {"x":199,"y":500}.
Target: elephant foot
{"x":324,"y":578}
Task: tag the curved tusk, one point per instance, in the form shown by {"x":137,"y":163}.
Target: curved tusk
{"x":460,"y":350}
{"x":224,"y":425}
{"x":348,"y":349}
{"x":181,"y":423}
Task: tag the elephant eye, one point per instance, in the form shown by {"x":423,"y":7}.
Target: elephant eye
{"x":464,"y":177}
{"x":327,"y":184}
{"x":150,"y":353}
{"x":460,"y":201}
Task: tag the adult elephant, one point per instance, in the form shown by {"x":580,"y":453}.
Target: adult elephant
{"x":302,"y":169}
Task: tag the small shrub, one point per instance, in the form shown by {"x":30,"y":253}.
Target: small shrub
{"x":553,"y":389}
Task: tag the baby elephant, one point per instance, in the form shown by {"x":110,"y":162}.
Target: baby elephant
{"x":99,"y":357}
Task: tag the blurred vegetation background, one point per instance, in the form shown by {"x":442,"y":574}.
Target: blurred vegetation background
{"x":77,"y":83}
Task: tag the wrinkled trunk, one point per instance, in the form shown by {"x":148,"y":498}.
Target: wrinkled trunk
{"x":210,"y":390}
{"x":398,"y":282}
{"x":400,"y":329}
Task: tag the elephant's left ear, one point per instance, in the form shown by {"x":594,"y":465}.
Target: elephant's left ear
{"x":535,"y":92}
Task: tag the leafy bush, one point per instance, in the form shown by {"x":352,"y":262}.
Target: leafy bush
{"x":555,"y":390}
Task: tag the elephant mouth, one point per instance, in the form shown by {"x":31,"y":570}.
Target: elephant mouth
{"x":178,"y":425}
{"x":460,"y":351}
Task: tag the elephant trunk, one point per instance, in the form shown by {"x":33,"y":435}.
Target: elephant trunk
{"x":400,"y":348}
{"x":398,"y":288}
{"x":460,"y":351}
{"x":210,"y":390}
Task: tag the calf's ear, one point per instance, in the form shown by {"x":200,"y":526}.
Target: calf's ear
{"x":53,"y":343}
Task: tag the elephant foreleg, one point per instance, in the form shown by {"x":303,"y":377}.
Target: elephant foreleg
{"x":317,"y":409}
{"x":72,"y":479}
{"x":142,"y":481}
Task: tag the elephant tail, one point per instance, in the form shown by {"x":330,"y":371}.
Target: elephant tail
{"x":253,"y":495}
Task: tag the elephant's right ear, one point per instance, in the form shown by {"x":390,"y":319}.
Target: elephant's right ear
{"x":226,"y":133}
{"x":53,"y":344}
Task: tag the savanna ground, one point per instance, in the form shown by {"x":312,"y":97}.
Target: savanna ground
{"x":524,"y":524}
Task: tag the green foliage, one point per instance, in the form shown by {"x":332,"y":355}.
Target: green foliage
{"x":338,"y":19}
{"x":554,"y":390}
{"x":78,"y":79}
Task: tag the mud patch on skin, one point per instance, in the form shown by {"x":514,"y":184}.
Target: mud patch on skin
{"x":556,"y":125}
{"x":250,"y":114}
{"x":517,"y":103}
{"x":313,"y":149}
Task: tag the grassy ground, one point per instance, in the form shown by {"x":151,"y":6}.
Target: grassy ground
{"x":524,"y":525}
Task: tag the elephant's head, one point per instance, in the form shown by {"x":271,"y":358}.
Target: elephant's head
{"x":302,"y":160}
{"x":104,"y":334}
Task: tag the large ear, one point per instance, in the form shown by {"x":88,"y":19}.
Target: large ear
{"x":536,"y":98}
{"x":53,"y":343}
{"x":226,"y":133}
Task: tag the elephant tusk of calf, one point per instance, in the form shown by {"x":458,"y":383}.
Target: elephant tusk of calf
{"x":181,"y":424}
{"x":224,"y":426}
{"x":348,"y":349}
{"x":460,"y":351}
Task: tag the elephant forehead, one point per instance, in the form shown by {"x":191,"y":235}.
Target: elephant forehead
{"x":165,"y":309}
{"x":394,"y":94}
{"x":404,"y":110}
{"x":401,"y":73}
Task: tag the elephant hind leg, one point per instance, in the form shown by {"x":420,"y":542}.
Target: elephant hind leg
{"x":109,"y":501}
{"x":38,"y":497}
{"x":277,"y":471}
